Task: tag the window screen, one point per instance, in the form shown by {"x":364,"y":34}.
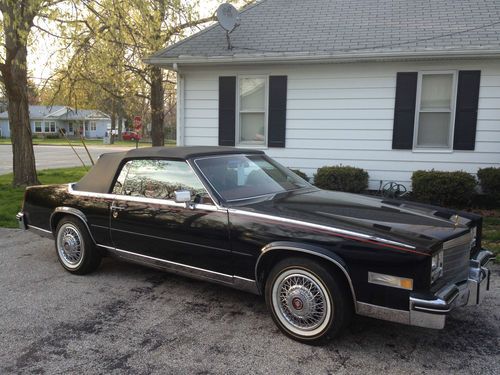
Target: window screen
{"x":435,"y":114}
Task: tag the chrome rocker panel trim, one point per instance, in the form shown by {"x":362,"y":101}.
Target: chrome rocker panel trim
{"x":432,"y":312}
{"x":236,"y":282}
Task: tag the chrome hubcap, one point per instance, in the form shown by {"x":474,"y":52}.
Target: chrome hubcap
{"x":301,"y":302}
{"x":70,"y":245}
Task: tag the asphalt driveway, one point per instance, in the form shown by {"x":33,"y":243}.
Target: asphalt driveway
{"x":129,"y":319}
{"x":55,"y":156}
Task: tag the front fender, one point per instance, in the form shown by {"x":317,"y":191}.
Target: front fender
{"x":301,"y":248}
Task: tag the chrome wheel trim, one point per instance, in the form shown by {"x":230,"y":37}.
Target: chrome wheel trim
{"x":301,"y":302}
{"x":70,"y":246}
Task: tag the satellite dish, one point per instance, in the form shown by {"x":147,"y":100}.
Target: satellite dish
{"x":228,"y":18}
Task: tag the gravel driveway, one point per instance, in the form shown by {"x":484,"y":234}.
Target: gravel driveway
{"x":129,"y":319}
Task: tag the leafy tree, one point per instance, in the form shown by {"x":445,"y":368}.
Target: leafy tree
{"x":17,"y":23}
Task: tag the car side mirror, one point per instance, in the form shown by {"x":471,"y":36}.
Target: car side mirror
{"x":182,"y":196}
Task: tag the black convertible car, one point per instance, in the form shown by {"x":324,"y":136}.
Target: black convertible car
{"x":236,"y":217}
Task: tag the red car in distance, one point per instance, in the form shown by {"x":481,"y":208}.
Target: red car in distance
{"x":131,"y":136}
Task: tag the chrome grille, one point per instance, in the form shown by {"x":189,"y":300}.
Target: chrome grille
{"x":456,"y":258}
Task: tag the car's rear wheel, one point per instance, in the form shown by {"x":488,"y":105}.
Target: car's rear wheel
{"x":75,"y":250}
{"x":308,"y":302}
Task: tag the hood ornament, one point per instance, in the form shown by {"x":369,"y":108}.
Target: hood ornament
{"x":455,"y":219}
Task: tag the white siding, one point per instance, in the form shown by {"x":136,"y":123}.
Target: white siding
{"x":343,"y":114}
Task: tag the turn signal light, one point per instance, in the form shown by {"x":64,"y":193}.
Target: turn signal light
{"x":389,"y":280}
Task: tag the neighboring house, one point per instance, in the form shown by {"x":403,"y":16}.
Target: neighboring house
{"x":46,"y":121}
{"x":389,"y":86}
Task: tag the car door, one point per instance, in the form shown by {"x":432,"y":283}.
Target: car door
{"x":146,"y":220}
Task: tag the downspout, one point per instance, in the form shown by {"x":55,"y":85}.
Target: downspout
{"x":180,"y":106}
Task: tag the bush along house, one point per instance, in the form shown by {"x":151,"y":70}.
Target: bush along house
{"x":389,"y":87}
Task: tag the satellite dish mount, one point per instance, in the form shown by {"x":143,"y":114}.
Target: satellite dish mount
{"x":229,"y":19}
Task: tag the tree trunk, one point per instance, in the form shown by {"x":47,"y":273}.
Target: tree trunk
{"x":15,"y":78}
{"x":120,"y":119}
{"x":113,"y":122}
{"x":157,"y":97}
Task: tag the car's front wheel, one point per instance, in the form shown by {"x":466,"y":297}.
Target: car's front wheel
{"x":308,"y":302}
{"x":75,"y":249}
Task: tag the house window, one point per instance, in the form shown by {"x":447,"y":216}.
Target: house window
{"x":435,"y":109}
{"x":252,"y":127}
{"x":49,"y":127}
{"x":70,"y":127}
{"x":93,"y":126}
{"x":86,"y":126}
{"x":38,"y":126}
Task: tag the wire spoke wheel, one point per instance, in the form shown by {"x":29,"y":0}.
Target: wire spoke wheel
{"x":301,"y":302}
{"x":70,"y":246}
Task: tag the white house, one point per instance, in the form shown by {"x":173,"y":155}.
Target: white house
{"x":391,"y":86}
{"x":46,"y":121}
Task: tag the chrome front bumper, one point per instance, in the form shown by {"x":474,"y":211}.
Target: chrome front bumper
{"x":431,"y":313}
{"x":21,"y":221}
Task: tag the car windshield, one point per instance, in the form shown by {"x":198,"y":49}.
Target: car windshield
{"x":238,"y":177}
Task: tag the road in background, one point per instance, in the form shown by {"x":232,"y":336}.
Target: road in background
{"x":48,"y":157}
{"x":127,"y":319}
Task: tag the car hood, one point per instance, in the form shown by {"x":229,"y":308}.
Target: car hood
{"x":394,"y":220}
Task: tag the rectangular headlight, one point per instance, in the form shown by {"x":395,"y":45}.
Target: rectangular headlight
{"x":389,"y":280}
{"x":437,"y":266}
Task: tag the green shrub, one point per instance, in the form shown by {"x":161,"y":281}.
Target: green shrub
{"x":299,"y":173}
{"x":341,"y":178}
{"x":489,"y":179}
{"x":454,"y":189}
{"x":52,"y":136}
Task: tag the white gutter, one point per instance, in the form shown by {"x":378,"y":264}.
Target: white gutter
{"x":180,"y":107}
{"x":320,"y":58}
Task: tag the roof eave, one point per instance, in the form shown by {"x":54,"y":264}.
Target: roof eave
{"x":168,"y":62}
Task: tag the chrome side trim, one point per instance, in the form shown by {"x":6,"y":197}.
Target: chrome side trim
{"x":89,"y":193}
{"x":298,"y":249}
{"x":319,"y":226}
{"x":384,"y":313}
{"x":129,"y":198}
{"x":186,"y":270}
{"x":40,"y":231}
{"x":70,"y":211}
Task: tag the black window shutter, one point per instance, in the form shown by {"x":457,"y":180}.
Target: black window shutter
{"x":404,"y":110}
{"x":276,"y":124}
{"x":227,"y":111}
{"x":466,"y":112}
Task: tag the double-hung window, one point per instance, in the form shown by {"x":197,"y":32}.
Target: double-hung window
{"x":435,"y":110}
{"x":252,"y":121}
{"x":93,"y":126}
{"x":38,"y":126}
{"x":50,"y":127}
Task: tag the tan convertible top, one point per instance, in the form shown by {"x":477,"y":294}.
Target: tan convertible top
{"x":102,"y":175}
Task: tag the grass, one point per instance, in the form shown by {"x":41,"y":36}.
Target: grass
{"x":491,"y":234}
{"x":11,"y":198}
{"x":88,"y":142}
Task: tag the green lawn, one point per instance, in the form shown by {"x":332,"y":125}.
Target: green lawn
{"x":88,"y":142}
{"x":11,"y":198}
{"x":491,"y":234}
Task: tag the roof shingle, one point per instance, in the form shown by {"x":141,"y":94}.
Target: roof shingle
{"x":340,"y":27}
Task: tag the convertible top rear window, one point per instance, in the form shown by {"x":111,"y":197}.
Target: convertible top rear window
{"x":238,"y":177}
